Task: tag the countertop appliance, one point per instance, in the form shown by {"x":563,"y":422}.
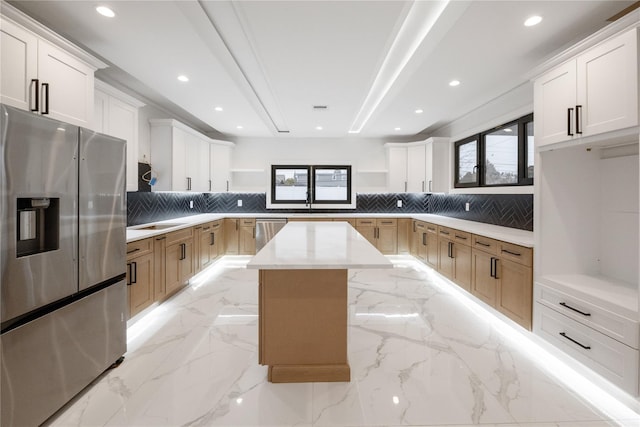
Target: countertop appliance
{"x":266,"y":228}
{"x":62,"y":262}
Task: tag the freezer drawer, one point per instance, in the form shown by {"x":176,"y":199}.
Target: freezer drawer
{"x":49,"y":360}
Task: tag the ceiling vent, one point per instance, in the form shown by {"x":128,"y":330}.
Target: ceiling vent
{"x":320,"y":107}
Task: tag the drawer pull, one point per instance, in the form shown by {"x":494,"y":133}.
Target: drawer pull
{"x":431,"y":229}
{"x":461,"y":237}
{"x":586,"y":347}
{"x":564,"y":304}
{"x":511,"y":253}
{"x":206,"y":228}
{"x":444,"y":232}
{"x":486,"y":245}
{"x":133,"y":250}
{"x":161,"y":238}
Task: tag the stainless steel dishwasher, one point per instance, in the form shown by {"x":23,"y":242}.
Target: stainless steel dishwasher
{"x":266,"y":228}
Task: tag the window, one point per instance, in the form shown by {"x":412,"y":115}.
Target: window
{"x":498,"y":157}
{"x":310,"y":184}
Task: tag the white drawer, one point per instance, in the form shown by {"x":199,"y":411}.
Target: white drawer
{"x":613,"y":360}
{"x":615,"y":326}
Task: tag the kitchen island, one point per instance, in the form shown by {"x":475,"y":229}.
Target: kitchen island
{"x":303,"y":313}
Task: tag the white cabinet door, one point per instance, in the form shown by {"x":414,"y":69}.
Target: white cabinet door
{"x":68,"y":95}
{"x":438,"y":165}
{"x":220,"y":167}
{"x":416,"y":165}
{"x":123,"y":123}
{"x":397,"y":169}
{"x":201,"y":178}
{"x":554,"y":105}
{"x":100,"y":111}
{"x":608,"y":85}
{"x":21,"y":46}
{"x":179,"y":174}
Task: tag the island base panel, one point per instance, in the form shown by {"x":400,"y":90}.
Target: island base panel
{"x":309,"y":373}
{"x":303,"y":325}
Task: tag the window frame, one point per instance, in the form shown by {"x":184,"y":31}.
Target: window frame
{"x":331,"y":202}
{"x":274,"y":168}
{"x":311,"y":185}
{"x":521,"y":125}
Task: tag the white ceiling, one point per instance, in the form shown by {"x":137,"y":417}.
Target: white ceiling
{"x":267,"y":63}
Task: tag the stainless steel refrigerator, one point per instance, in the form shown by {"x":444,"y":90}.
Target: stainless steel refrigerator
{"x":62,"y":262}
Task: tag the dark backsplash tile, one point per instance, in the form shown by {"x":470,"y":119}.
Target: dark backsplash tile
{"x":509,"y":210}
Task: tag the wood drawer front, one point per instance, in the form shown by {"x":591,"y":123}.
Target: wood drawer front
{"x":516,"y":253}
{"x":419,"y":225}
{"x":431,"y":228}
{"x":387,"y":222}
{"x":179,"y":235}
{"x":485,"y":244}
{"x":365,"y":222}
{"x":609,"y":323}
{"x":445,"y":232}
{"x":215,"y":225}
{"x":247,"y":222}
{"x":608,"y":357}
{"x":205,"y":227}
{"x":139,"y":248}
{"x":461,"y":237}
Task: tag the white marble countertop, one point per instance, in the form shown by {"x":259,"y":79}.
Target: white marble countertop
{"x":318,"y":245}
{"x":506,"y":234}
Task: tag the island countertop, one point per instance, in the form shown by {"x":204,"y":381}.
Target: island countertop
{"x":318,"y":245}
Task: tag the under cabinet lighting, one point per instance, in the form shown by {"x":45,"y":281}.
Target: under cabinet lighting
{"x":533,"y":20}
{"x":105,"y":11}
{"x":454,"y":83}
{"x":183,"y":78}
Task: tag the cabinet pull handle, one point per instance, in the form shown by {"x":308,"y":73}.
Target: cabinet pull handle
{"x":227,"y":185}
{"x":134,"y":280}
{"x":423,"y":186}
{"x":446,"y":233}
{"x":213,"y":239}
{"x":161,"y":238}
{"x":45,"y":88}
{"x":198,"y":228}
{"x":486,"y":245}
{"x":129,"y":274}
{"x":460,"y":237}
{"x":183,"y":251}
{"x":578,"y":116}
{"x":495,"y":268}
{"x":431,"y":229}
{"x":405,"y":186}
{"x":188,"y":183}
{"x":209,"y":185}
{"x":236,"y":225}
{"x":450,"y":249}
{"x":569,"y":112}
{"x":133,"y":250}
{"x":37,"y":93}
{"x":564,"y":304}
{"x":511,"y":253}
{"x":424,"y":239}
{"x":206,"y":228}
{"x":586,"y":347}
{"x":491,"y":268}
{"x":414,"y":226}
{"x":430,"y":184}
{"x":254,"y":233}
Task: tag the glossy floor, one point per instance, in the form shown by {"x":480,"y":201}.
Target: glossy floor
{"x":420,"y":355}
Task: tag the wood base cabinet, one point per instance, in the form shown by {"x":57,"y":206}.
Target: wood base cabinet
{"x":140,"y":275}
{"x":179,"y":260}
{"x":454,"y":256}
{"x":240,"y":236}
{"x":208,"y":242}
{"x":381,"y":233}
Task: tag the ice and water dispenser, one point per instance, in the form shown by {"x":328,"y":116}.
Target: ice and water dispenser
{"x":38,"y":225}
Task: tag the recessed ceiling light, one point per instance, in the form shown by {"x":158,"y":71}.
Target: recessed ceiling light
{"x":419,"y":111}
{"x":218,"y":108}
{"x":533,"y":20}
{"x":105,"y":11}
{"x":238,"y":127}
{"x":454,"y":83}
{"x":183,"y":78}
{"x":508,"y":130}
{"x":318,"y":127}
{"x":354,"y":131}
{"x":396,"y":128}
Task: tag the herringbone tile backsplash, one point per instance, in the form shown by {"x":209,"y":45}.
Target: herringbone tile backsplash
{"x":509,"y":210}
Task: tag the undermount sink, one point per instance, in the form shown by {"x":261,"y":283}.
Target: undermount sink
{"x":159,"y":226}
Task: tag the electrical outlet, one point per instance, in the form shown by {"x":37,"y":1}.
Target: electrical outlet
{"x":191,"y":204}
{"x":239,"y":203}
{"x":399,"y":203}
{"x":466,"y":206}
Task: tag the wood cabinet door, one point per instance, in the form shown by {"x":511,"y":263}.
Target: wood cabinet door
{"x":462,"y":266}
{"x":414,"y":242}
{"x":159,"y":253}
{"x":231,"y":233}
{"x":173,"y":280}
{"x":483,"y":285}
{"x":367,"y":227}
{"x":515,"y":291}
{"x":21,"y":46}
{"x":71,"y":85}
{"x":247,"y":240}
{"x":445,"y":262}
{"x":431,"y":253}
{"x":404,"y":235}
{"x":141,"y":292}
{"x":387,"y":241}
{"x":203,"y":251}
{"x":608,"y":85}
{"x":187,"y":264}
{"x":554,"y":94}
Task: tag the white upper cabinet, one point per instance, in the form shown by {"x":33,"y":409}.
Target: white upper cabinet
{"x":418,"y":167}
{"x":220,"y":166}
{"x":186,"y":160}
{"x":39,"y":76}
{"x":116,"y":114}
{"x":593,"y":93}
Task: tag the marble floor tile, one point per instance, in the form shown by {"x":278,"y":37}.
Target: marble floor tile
{"x":418,"y":357}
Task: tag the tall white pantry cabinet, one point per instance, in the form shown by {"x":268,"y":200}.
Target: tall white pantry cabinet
{"x":586,"y":267}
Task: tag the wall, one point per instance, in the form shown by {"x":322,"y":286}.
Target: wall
{"x":261,"y":153}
